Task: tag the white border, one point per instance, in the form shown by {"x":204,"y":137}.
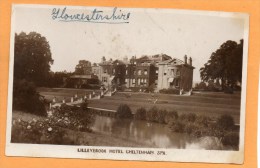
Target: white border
{"x":180,"y":155}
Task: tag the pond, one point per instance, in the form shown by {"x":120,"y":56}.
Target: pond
{"x":153,"y":134}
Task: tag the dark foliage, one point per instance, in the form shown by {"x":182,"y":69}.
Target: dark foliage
{"x":74,"y":118}
{"x":83,"y":67}
{"x":225,"y":64}
{"x":32,"y":58}
{"x":124,"y":111}
{"x":58,"y":79}
{"x":225,"y":122}
{"x":152,"y":114}
{"x":26,"y":98}
{"x":140,"y":114}
{"x":170,"y":91}
{"x":231,"y":139}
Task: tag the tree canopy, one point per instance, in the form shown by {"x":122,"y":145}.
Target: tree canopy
{"x":225,"y":64}
{"x":83,"y":67}
{"x":32,"y":58}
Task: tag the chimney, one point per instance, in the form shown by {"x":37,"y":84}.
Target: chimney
{"x":190,"y":61}
{"x":185,"y":59}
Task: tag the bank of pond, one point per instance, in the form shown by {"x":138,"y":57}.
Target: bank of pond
{"x":151,"y":127}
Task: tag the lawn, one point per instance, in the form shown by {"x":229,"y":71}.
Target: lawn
{"x":212,"y":104}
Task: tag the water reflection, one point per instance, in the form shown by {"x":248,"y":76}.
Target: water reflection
{"x":153,"y":134}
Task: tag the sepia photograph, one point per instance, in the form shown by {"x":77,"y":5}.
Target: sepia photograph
{"x":127,"y":84}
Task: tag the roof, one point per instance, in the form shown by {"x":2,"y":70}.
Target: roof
{"x":82,"y":76}
{"x":174,"y":61}
{"x":155,"y":58}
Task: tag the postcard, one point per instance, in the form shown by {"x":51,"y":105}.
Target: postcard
{"x":127,"y":84}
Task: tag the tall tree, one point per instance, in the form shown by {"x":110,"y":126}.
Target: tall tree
{"x":83,"y":68}
{"x":225,"y":64}
{"x":32,"y":58}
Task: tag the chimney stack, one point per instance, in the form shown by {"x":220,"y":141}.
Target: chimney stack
{"x":190,"y":61}
{"x":185,"y":59}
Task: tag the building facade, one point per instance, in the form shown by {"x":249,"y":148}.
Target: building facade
{"x":157,"y":71}
{"x":176,"y":74}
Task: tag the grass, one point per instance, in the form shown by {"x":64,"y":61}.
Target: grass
{"x":213,"y":104}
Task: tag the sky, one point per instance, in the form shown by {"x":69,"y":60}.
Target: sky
{"x":149,"y":31}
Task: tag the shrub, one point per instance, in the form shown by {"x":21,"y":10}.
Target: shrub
{"x":26,"y":98}
{"x":202,"y":120}
{"x":170,"y":91}
{"x":124,"y":111}
{"x":177,"y":126}
{"x":73,"y":117}
{"x":231,"y":139}
{"x":151,"y":114}
{"x":161,"y":116}
{"x":225,"y":122}
{"x":140,"y":114}
{"x":189,"y":117}
{"x":171,"y":116}
{"x":228,"y":90}
{"x":40,"y":132}
{"x":190,"y":128}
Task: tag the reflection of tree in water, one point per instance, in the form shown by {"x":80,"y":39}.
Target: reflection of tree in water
{"x":103,"y":124}
{"x":152,"y":134}
{"x":121,"y":127}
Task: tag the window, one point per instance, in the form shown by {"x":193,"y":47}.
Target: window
{"x":177,"y":71}
{"x":142,"y":81}
{"x":133,"y":81}
{"x":145,"y":71}
{"x":105,"y":70}
{"x":126,"y":72}
{"x":114,"y":71}
{"x":176,"y":82}
{"x":126,"y":80}
{"x":104,"y":79}
{"x":165,"y":72}
{"x":139,"y":72}
{"x":135,"y":62}
{"x":172,"y":72}
{"x":156,"y":72}
{"x":145,"y":81}
{"x":138,"y":82}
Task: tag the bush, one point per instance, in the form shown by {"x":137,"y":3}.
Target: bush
{"x":140,"y":114}
{"x":201,"y":86}
{"x":124,"y":111}
{"x":225,"y":122}
{"x":189,"y":117}
{"x":40,"y":132}
{"x":25,"y":98}
{"x":170,"y":91}
{"x":171,"y":116}
{"x":228,"y":90}
{"x":73,"y":117}
{"x":161,"y":116}
{"x":177,"y":126}
{"x":151,"y":114}
{"x":202,"y":120}
{"x":231,"y":139}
